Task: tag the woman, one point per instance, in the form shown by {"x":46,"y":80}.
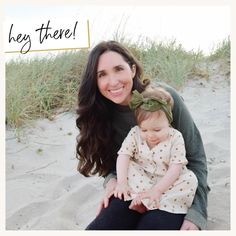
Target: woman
{"x":104,"y":120}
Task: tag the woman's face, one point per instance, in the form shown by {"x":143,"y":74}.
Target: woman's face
{"x":115,"y":77}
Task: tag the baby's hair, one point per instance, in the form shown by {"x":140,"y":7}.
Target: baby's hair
{"x":157,"y":92}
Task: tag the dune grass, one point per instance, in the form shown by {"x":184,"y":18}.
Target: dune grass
{"x":167,"y":62}
{"x":221,"y":50}
{"x":38,"y":87}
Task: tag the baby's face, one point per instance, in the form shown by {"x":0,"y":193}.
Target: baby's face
{"x":155,"y":129}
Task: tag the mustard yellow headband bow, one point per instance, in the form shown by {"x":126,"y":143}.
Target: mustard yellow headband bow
{"x":150,"y":104}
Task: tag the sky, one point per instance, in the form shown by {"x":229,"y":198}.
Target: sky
{"x":195,"y":27}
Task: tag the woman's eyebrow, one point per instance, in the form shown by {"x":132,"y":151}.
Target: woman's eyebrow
{"x":100,"y":71}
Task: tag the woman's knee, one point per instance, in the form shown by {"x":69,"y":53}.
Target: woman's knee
{"x":116,"y":216}
{"x":160,"y":220}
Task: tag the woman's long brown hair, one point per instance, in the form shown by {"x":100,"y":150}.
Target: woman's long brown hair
{"x":94,"y":142}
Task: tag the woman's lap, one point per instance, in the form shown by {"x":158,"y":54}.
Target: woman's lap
{"x":160,"y":220}
{"x":118,"y":216}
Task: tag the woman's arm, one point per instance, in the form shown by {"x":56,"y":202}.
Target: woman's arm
{"x":111,"y":176}
{"x":195,"y":155}
{"x":109,"y":190}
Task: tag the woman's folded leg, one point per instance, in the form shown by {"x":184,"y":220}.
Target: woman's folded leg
{"x":160,"y":220}
{"x":117,"y":216}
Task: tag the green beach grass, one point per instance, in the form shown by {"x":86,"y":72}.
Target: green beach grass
{"x":39,"y":87}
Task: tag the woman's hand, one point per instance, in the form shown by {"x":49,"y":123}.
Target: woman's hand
{"x":109,"y":191}
{"x":188,"y":225}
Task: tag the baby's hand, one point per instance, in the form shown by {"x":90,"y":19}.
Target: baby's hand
{"x":153,"y":196}
{"x":122,"y":191}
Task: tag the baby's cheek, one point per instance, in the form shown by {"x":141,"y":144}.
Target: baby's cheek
{"x":143,"y":136}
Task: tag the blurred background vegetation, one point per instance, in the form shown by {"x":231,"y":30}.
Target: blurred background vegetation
{"x":44,"y":87}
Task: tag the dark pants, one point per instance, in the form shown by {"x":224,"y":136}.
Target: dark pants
{"x":118,"y":216}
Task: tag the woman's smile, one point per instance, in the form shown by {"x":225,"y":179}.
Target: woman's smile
{"x":117,"y":91}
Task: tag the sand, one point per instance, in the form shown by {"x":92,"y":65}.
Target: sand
{"x":44,"y":190}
